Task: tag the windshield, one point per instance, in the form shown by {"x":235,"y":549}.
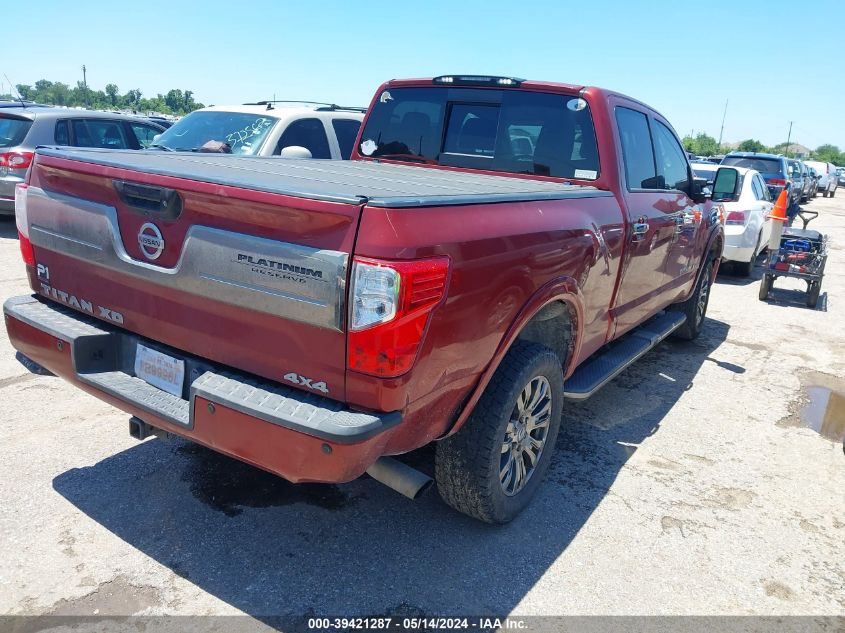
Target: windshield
{"x":500,"y":130}
{"x":243,"y":133}
{"x":13,"y":131}
{"x":763,"y":165}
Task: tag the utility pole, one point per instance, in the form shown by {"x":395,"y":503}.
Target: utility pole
{"x":85,"y":84}
{"x":788,"y":137}
{"x":722,"y":131}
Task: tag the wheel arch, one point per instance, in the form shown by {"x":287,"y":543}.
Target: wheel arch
{"x":557,"y":304}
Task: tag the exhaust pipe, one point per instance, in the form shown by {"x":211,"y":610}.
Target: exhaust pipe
{"x":402,"y":478}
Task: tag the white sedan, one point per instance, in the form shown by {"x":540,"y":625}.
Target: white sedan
{"x":747,"y":225}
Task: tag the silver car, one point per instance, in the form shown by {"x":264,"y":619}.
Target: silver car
{"x":23,"y":127}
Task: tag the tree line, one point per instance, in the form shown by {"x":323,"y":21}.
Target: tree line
{"x":705,"y":145}
{"x":61,"y":94}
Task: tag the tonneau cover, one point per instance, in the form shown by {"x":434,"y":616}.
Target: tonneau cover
{"x":376,"y":184}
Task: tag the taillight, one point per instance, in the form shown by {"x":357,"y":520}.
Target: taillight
{"x":28,"y":254}
{"x":736,"y":217}
{"x":777,"y":182}
{"x":16,"y":160}
{"x":390,"y":305}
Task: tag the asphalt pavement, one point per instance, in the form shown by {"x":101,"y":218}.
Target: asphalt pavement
{"x":694,"y":483}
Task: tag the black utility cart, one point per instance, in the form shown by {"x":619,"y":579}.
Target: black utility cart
{"x":802,"y":254}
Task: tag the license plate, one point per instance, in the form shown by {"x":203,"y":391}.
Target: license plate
{"x":160,"y":370}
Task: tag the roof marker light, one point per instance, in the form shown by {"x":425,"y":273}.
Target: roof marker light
{"x":477,"y":80}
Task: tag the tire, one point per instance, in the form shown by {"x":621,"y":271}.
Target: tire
{"x":469,"y":465}
{"x":765,"y":286}
{"x":824,"y":193}
{"x":695,"y":307}
{"x":832,"y":192}
{"x":745,"y":269}
{"x":813,"y":293}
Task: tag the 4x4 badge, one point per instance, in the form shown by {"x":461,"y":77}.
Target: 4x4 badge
{"x":150,"y":240}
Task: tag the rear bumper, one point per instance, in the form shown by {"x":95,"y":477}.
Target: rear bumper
{"x":7,"y":193}
{"x":737,"y":253}
{"x":740,"y":243}
{"x":298,"y":435}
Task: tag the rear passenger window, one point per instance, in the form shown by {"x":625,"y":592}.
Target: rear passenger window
{"x":144,"y":133}
{"x":671,"y":159}
{"x":99,"y":133}
{"x":764,"y":190}
{"x":755,"y":187}
{"x":307,"y":133}
{"x":62,"y":135}
{"x":346,"y":131}
{"x":637,"y":152}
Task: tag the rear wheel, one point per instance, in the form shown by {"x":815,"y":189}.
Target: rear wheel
{"x":696,"y":306}
{"x":745,"y":269}
{"x":824,"y":193}
{"x":491,"y":468}
{"x":813,"y":293}
{"x":765,"y":286}
{"x":832,"y":192}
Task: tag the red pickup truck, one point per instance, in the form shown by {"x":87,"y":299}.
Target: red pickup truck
{"x":495,"y":247}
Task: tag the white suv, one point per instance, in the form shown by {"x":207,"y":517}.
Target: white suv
{"x":828,"y":181}
{"x":296,"y":129}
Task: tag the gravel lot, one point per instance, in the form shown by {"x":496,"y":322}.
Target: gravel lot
{"x":686,"y":486}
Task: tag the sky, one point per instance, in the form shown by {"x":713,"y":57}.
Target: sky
{"x":773,"y":62}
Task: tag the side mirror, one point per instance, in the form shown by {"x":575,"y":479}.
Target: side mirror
{"x":295,"y":151}
{"x":726,"y":185}
{"x":699,"y":190}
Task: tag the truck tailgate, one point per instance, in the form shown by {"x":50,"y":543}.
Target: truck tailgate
{"x":248,"y":279}
{"x":239,"y":260}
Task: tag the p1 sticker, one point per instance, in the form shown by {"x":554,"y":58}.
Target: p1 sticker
{"x":576,"y":105}
{"x":368,"y":147}
{"x":586,"y":174}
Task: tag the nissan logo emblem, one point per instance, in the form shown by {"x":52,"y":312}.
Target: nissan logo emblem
{"x":150,"y":241}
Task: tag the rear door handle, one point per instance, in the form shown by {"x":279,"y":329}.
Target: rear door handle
{"x":640,"y":228}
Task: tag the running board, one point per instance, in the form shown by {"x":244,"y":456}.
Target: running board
{"x":604,"y":366}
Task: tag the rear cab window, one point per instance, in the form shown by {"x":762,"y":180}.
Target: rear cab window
{"x":766,"y":166}
{"x":707,"y":174}
{"x":537,"y":133}
{"x":13,"y":130}
{"x":346,"y":131}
